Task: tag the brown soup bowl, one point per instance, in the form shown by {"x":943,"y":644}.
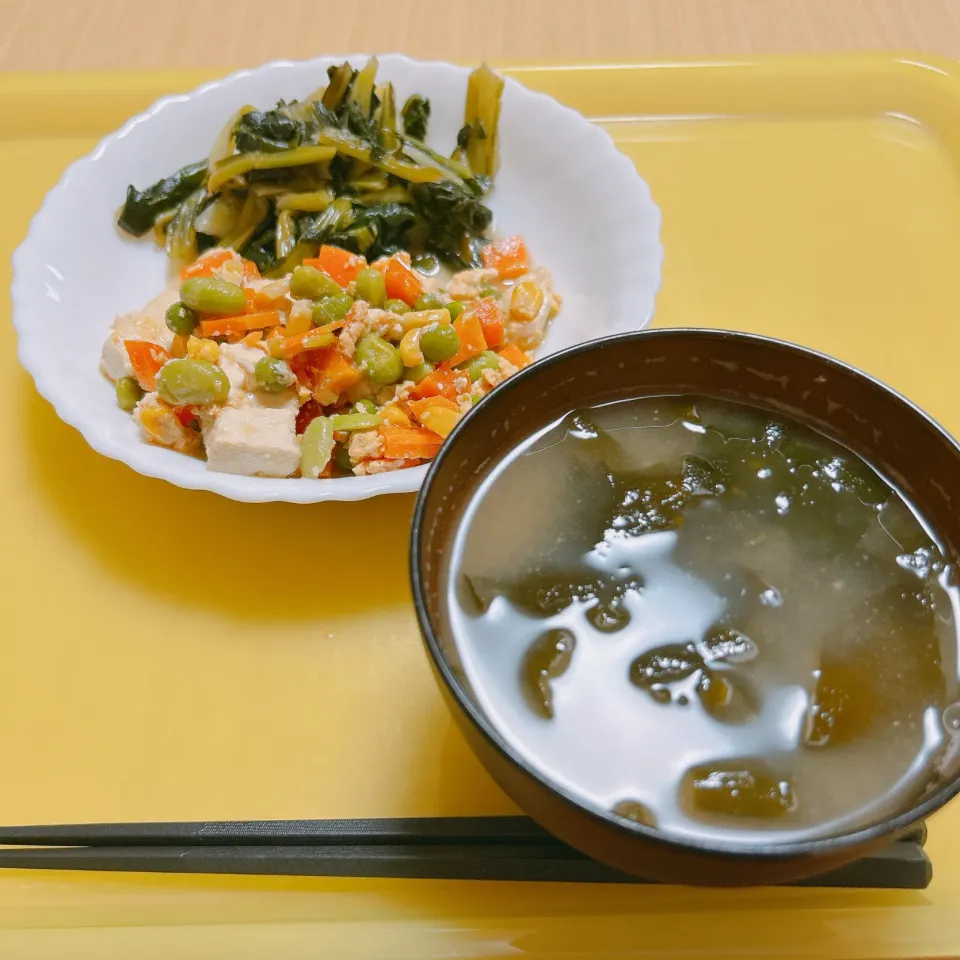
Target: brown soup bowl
{"x":904,"y":444}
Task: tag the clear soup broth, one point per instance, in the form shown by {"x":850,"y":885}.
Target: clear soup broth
{"x":708,"y":621}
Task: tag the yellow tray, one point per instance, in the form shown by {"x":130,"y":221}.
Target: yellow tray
{"x":813,"y":199}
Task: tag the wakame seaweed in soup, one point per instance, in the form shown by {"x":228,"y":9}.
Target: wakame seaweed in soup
{"x":709,"y":621}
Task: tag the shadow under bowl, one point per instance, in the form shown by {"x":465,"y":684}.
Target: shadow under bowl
{"x":890,"y":433}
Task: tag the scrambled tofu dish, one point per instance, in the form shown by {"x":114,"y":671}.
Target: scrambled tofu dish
{"x":336,"y":368}
{"x":342,"y":302}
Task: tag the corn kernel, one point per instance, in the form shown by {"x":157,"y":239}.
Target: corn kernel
{"x":410,"y":352}
{"x":198,"y":349}
{"x":325,"y":396}
{"x":300,"y":319}
{"x":525,"y":301}
{"x":423,"y":318}
{"x":393,"y":414}
{"x":441,"y":420}
{"x":178,"y":348}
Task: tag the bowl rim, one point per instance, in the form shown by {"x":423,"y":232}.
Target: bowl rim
{"x":256,"y":489}
{"x":490,"y":732}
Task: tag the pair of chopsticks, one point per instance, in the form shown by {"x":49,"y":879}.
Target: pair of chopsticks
{"x":447,"y":848}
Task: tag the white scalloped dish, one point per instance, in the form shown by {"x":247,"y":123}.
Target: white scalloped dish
{"x":584,"y":212}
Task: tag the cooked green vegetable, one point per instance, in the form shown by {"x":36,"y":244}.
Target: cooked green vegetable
{"x":379,"y":360}
{"x":273,"y":374}
{"x":487,"y":360}
{"x":309,"y":283}
{"x":454,"y":308}
{"x":478,"y":138}
{"x":371,"y":287}
{"x":417,"y":373}
{"x":429,"y":301}
{"x":316,"y":447}
{"x":332,"y":308}
{"x":439,"y":343}
{"x":181,"y":319}
{"x":209,"y":295}
{"x":355,"y":421}
{"x":396,"y":306}
{"x":129,"y":393}
{"x":364,"y":406}
{"x":141,"y":209}
{"x":193,"y":382}
{"x":334,"y":168}
{"x":416,"y":116}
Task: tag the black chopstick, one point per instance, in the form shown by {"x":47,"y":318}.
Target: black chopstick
{"x":449,"y":848}
{"x":402,"y":830}
{"x":902,"y":866}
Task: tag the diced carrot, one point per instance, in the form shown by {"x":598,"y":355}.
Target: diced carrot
{"x":307,"y":342}
{"x":338,"y":373}
{"x":206,"y":265}
{"x":507,"y":256}
{"x":406,"y":443}
{"x":491,"y":321}
{"x":146,"y":359}
{"x":440,"y":383}
{"x":307,"y":414}
{"x":472,"y":340}
{"x":186,"y":415}
{"x":513,"y":354}
{"x":338,"y":264}
{"x":253,"y":338}
{"x":401,"y":282}
{"x":250,"y":270}
{"x":242,"y":324}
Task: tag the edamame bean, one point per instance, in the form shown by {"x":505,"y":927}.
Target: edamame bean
{"x":429,"y":301}
{"x":439,"y":343}
{"x":129,"y":393}
{"x":454,"y":308}
{"x":209,"y":295}
{"x":309,"y":283}
{"x":181,"y":319}
{"x":194,"y":382}
{"x":379,"y":360}
{"x":371,"y":287}
{"x":396,"y":306}
{"x":487,"y":360}
{"x":316,"y":447}
{"x":332,"y":308}
{"x":417,"y":373}
{"x":364,"y":406}
{"x":273,"y":374}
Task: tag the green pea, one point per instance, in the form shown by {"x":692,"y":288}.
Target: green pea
{"x":195,"y":382}
{"x":341,"y":457}
{"x":417,"y":373}
{"x":273,"y":374}
{"x":331,"y":308}
{"x":379,"y":360}
{"x":181,"y":319}
{"x":309,"y":283}
{"x":454,"y":308}
{"x":316,"y":447}
{"x":355,"y":421}
{"x":396,"y":306}
{"x":429,"y":301}
{"x":371,"y":287}
{"x":209,"y":295}
{"x":129,"y":393}
{"x":487,"y":360}
{"x":440,"y":342}
{"x":364,"y":406}
{"x":489,"y":292}
{"x":426,"y":263}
